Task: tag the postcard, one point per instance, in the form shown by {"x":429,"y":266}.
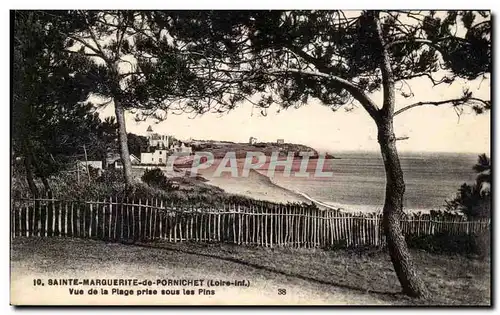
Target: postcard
{"x":257,"y":157}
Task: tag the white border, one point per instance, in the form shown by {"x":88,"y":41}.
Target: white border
{"x":193,"y":4}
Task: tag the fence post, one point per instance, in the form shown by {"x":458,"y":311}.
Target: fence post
{"x":151,"y":218}
{"x":162,"y":215}
{"x":201,"y":224}
{"x":240,"y":226}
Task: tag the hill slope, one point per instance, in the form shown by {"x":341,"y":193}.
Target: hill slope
{"x":220,"y":148}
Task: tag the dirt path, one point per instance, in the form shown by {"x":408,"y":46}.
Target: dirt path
{"x":309,"y":276}
{"x":70,"y":258}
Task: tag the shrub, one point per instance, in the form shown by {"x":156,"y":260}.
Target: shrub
{"x":156,"y":178}
{"x":482,"y":244}
{"x":111,"y":176}
{"x":445,"y":243}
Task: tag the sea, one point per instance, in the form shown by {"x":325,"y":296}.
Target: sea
{"x":357,"y":182}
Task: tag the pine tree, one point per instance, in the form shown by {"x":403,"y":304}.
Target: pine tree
{"x":341,"y":58}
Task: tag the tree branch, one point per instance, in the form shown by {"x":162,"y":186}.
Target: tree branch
{"x":402,"y":138}
{"x":85,"y":44}
{"x":455,"y":102}
{"x":325,"y":71}
{"x":385,"y":67}
{"x":425,"y":41}
{"x":408,"y":41}
{"x":82,"y":53}
{"x":435,"y":82}
{"x":310,"y":59}
{"x":96,"y":42}
{"x":367,"y":103}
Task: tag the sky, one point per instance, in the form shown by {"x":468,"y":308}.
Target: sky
{"x":428,"y":128}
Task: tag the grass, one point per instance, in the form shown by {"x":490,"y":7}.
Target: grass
{"x":310,"y":276}
{"x":452,"y":279}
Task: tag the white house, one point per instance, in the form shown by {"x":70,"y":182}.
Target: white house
{"x":181,"y":147}
{"x":159,"y":156}
{"x":133,"y":159}
{"x":158,"y":141}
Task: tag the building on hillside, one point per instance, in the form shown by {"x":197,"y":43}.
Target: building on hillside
{"x":160,"y":146}
{"x":157,"y":140}
{"x":280,"y":141}
{"x":181,"y":147}
{"x":252,"y":140}
{"x":133,"y":159}
{"x":156,"y":157}
{"x":111,"y":158}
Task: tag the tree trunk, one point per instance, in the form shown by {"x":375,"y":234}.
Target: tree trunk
{"x":29,"y":175}
{"x":406,"y":272}
{"x":46,"y":184}
{"x":122,"y":140}
{"x":39,"y":171}
{"x":29,"y":163}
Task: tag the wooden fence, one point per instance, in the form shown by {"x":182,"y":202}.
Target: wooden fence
{"x":279,"y":225}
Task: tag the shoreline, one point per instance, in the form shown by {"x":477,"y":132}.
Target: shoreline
{"x":261,"y":187}
{"x":256,"y":186}
{"x":318,"y":203}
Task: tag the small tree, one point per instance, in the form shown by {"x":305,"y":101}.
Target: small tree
{"x":475,"y":200}
{"x":483,"y":170}
{"x":137,"y":144}
{"x":156,"y":178}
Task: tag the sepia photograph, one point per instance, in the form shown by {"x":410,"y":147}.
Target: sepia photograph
{"x":250,"y":157}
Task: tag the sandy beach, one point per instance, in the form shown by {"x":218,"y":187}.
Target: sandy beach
{"x":256,"y":185}
{"x":317,"y":190}
{"x":259,"y":186}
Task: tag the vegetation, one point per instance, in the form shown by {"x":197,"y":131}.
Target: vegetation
{"x":183,"y":190}
{"x":132,"y":65}
{"x":137,"y":144}
{"x":210,"y":61}
{"x":340,"y":58}
{"x":51,"y":123}
{"x":444,"y":243}
{"x":156,"y":178}
{"x":474,"y":200}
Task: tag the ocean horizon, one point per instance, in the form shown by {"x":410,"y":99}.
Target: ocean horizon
{"x":358,"y":181}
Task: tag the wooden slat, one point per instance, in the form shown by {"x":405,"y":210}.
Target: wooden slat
{"x":261,"y":223}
